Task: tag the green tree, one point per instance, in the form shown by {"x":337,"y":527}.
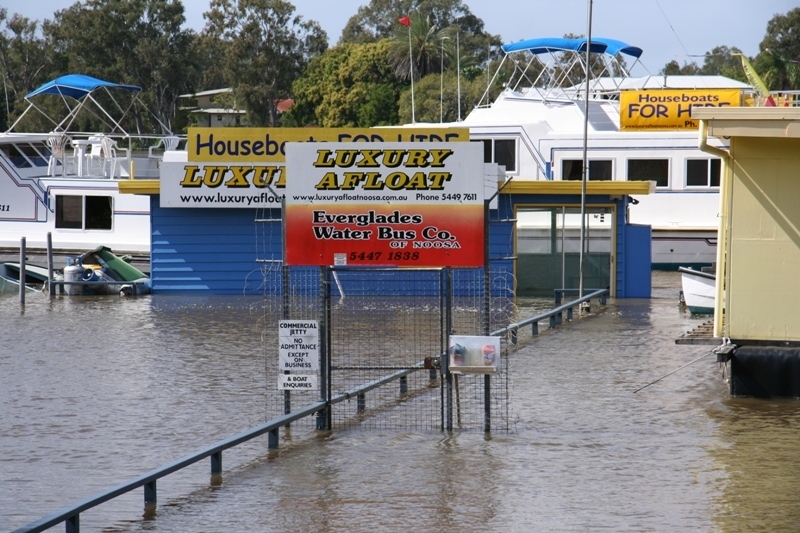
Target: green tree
{"x":138,"y":42}
{"x":378,"y":20}
{"x":436,"y":97}
{"x":349,"y":85}
{"x":673,"y":68}
{"x":722,"y":60}
{"x":268,"y":48}
{"x":429,"y":47}
{"x":24,"y":58}
{"x":778,"y":63}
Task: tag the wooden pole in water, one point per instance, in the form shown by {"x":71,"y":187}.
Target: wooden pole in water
{"x":22,"y":254}
{"x":50,"y":286}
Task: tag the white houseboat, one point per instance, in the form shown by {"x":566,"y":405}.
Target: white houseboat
{"x":637,"y":129}
{"x":63,"y":182}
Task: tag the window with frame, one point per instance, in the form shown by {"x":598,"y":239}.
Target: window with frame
{"x":33,"y":153}
{"x":500,"y":151}
{"x":15,"y":155}
{"x":84,"y":212}
{"x":599,"y":170}
{"x":703,"y":172}
{"x":649,"y":170}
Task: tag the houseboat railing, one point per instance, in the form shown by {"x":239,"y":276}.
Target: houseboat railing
{"x":70,"y":516}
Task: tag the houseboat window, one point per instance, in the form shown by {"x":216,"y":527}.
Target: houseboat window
{"x":14,"y":155}
{"x":501,"y":151}
{"x":34,"y":155}
{"x":598,"y":170}
{"x":69,"y":212}
{"x":84,"y":212}
{"x":702,"y":172}
{"x":505,"y":153}
{"x":649,"y":170}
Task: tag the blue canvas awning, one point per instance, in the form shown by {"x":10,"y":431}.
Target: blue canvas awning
{"x":77,"y":86}
{"x":560,"y":44}
{"x":615,"y":47}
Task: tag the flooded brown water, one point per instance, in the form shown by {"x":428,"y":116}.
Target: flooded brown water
{"x":96,"y":391}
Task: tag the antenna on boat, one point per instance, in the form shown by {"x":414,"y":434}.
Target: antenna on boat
{"x":441,"y":83}
{"x":584,"y":305}
{"x":406,"y":21}
{"x":458,"y":72}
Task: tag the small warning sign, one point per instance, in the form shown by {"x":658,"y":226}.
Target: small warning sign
{"x":297,"y":382}
{"x":299,"y":345}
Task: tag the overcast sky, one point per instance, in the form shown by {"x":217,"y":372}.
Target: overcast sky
{"x":664,"y":29}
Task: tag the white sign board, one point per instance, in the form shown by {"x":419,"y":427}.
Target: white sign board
{"x":299,"y":345}
{"x":297,"y":382}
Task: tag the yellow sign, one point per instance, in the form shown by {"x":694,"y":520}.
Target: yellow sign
{"x":262,"y":145}
{"x":667,"y":109}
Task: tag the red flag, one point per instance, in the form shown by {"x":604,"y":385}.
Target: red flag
{"x":405,"y":21}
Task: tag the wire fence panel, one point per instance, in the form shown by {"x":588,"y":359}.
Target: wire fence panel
{"x":385,"y":330}
{"x":374,"y":335}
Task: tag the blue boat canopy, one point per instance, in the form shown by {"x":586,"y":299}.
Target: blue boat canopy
{"x":561,"y":44}
{"x":615,"y":47}
{"x":77,"y":86}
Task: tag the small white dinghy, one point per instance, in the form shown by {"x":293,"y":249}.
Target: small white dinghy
{"x":698,"y":290}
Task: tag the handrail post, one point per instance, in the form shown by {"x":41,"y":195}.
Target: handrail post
{"x":150,"y":498}
{"x":324,"y":418}
{"x":403,"y":384}
{"x":216,"y":463}
{"x":216,"y":468}
{"x":534,"y":328}
{"x":272,"y":439}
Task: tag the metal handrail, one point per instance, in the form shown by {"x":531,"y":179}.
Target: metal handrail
{"x":71,"y":514}
{"x":555,"y":315}
{"x":214,"y":451}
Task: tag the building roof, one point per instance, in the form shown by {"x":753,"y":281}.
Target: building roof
{"x":206,"y":93}
{"x":750,"y":121}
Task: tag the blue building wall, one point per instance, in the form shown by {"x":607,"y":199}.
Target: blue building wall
{"x":210,"y":251}
{"x":636,"y":264}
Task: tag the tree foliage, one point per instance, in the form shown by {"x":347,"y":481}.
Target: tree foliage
{"x":24,"y":58}
{"x":673,"y":68}
{"x":349,"y":85}
{"x":778,"y":63}
{"x":431,"y":49}
{"x":721,"y":60}
{"x":137,"y":42}
{"x":265,"y":53}
{"x":378,"y":20}
{"x":268,"y":47}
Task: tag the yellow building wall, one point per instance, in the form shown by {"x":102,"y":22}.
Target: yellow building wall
{"x":763,"y":291}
